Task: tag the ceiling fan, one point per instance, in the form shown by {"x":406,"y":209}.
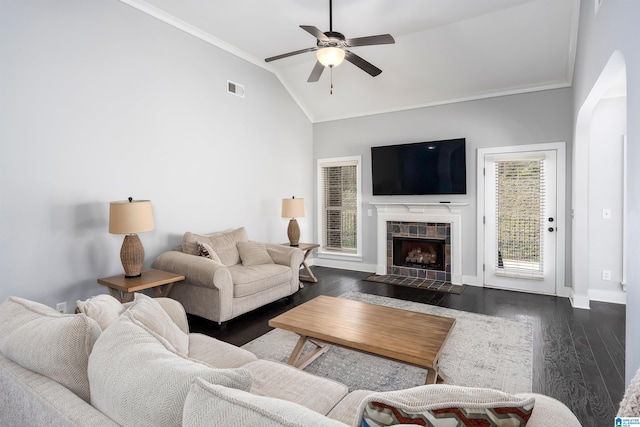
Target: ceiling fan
{"x":331,"y":49}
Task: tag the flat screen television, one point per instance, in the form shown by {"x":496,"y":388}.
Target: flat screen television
{"x":436,"y":167}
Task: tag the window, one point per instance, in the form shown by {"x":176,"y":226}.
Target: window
{"x":339,"y":206}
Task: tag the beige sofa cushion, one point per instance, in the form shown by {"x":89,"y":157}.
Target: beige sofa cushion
{"x":150,"y":314}
{"x":441,"y":405}
{"x":103,"y":308}
{"x":55,"y":345}
{"x":214,"y":405}
{"x":253,"y":253}
{"x":223,"y":244}
{"x":147,"y":384}
{"x":216,"y":353}
{"x":272,"y":379}
{"x":257,"y":278}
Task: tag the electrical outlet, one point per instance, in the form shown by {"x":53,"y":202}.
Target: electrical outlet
{"x":606,"y":274}
{"x":61,"y":307}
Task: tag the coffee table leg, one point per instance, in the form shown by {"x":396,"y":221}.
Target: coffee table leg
{"x":312,"y":355}
{"x":436,"y":376}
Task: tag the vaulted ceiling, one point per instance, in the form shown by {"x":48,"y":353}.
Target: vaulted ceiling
{"x":445,"y":50}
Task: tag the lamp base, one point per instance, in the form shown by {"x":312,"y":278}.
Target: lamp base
{"x":293,"y":232}
{"x":132,"y":256}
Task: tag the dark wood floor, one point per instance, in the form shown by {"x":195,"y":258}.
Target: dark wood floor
{"x":578,"y":354}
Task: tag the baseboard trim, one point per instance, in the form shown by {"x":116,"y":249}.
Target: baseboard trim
{"x":342,"y":265}
{"x":613,"y":297}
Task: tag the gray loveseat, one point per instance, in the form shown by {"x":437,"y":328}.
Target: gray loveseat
{"x":137,"y":365}
{"x":227,"y":275}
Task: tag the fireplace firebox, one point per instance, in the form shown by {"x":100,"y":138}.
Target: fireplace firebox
{"x":418,"y":253}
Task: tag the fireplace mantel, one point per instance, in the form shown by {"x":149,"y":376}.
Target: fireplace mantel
{"x":421,"y":212}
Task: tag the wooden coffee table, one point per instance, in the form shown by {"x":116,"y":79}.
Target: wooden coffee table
{"x":408,"y":336}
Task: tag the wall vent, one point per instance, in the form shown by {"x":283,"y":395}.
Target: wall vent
{"x":235,"y":89}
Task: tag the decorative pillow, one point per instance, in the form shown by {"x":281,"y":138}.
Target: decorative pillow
{"x":440,"y":405}
{"x":52,"y":344}
{"x":224,"y":244}
{"x":103,"y":308}
{"x":207,"y":251}
{"x":149,"y":314}
{"x":254,"y":253}
{"x":136,"y":381}
{"x":214,"y":405}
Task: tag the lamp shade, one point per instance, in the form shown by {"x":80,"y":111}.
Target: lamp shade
{"x":293,"y":208}
{"x":130,"y":216}
{"x":330,"y":56}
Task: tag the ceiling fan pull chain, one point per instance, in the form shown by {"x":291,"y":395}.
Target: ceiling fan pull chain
{"x":331,"y":70}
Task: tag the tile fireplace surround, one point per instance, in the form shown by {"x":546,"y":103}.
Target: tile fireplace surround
{"x":409,"y":220}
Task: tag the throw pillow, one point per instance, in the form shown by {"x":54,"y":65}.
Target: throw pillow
{"x":214,"y":405}
{"x":136,"y":381}
{"x":224,"y":244}
{"x":149,"y":314}
{"x":254,"y":253}
{"x":42,"y":340}
{"x":103,"y":308}
{"x":205,"y":250}
{"x":440,"y":405}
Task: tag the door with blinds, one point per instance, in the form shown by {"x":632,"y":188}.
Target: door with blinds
{"x":520,"y":221}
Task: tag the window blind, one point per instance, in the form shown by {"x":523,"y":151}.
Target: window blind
{"x":519,"y":217}
{"x":339,"y":206}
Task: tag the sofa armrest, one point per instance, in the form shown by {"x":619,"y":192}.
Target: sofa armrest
{"x":286,"y":255}
{"x":197,"y":270}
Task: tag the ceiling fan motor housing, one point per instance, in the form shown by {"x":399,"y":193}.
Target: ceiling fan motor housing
{"x":335,"y":39}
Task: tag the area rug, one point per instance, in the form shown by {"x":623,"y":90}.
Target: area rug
{"x":482,"y":351}
{"x":416,"y":282}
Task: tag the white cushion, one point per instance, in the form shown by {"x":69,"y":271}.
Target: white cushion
{"x":149,"y":314}
{"x":137,"y":381}
{"x":446,"y":405}
{"x":103,"y":308}
{"x":254,"y":253}
{"x":52,"y":344}
{"x":214,"y":405}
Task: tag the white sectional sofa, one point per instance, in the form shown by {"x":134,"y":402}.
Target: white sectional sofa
{"x":137,"y":365}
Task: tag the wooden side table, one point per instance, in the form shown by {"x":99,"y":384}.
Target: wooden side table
{"x":306,"y":248}
{"x":159,"y":281}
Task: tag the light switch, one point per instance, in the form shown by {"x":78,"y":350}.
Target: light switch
{"x":606,"y":213}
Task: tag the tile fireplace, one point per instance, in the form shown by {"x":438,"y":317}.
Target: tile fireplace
{"x":421,"y":240}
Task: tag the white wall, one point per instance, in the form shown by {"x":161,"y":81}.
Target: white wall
{"x":539,"y":117}
{"x":614,"y":30}
{"x":99,"y":102}
{"x":608,"y":125}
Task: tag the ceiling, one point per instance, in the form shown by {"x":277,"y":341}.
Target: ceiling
{"x":445,"y":51}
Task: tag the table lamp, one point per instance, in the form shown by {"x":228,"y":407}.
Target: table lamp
{"x":293,"y":208}
{"x":130,"y":217}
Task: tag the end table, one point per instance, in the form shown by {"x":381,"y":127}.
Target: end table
{"x":306,"y":248}
{"x":122,"y":288}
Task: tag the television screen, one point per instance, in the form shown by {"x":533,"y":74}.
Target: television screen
{"x":437,"y":167}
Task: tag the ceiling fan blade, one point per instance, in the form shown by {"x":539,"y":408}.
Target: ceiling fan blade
{"x":361,"y":63}
{"x":315,"y":32}
{"x":285,"y":55}
{"x":316,"y":72}
{"x":370,"y":40}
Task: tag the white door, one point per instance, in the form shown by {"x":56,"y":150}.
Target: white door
{"x":520,"y":221}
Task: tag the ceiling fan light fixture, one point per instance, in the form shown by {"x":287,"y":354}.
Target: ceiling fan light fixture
{"x":330,"y":56}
